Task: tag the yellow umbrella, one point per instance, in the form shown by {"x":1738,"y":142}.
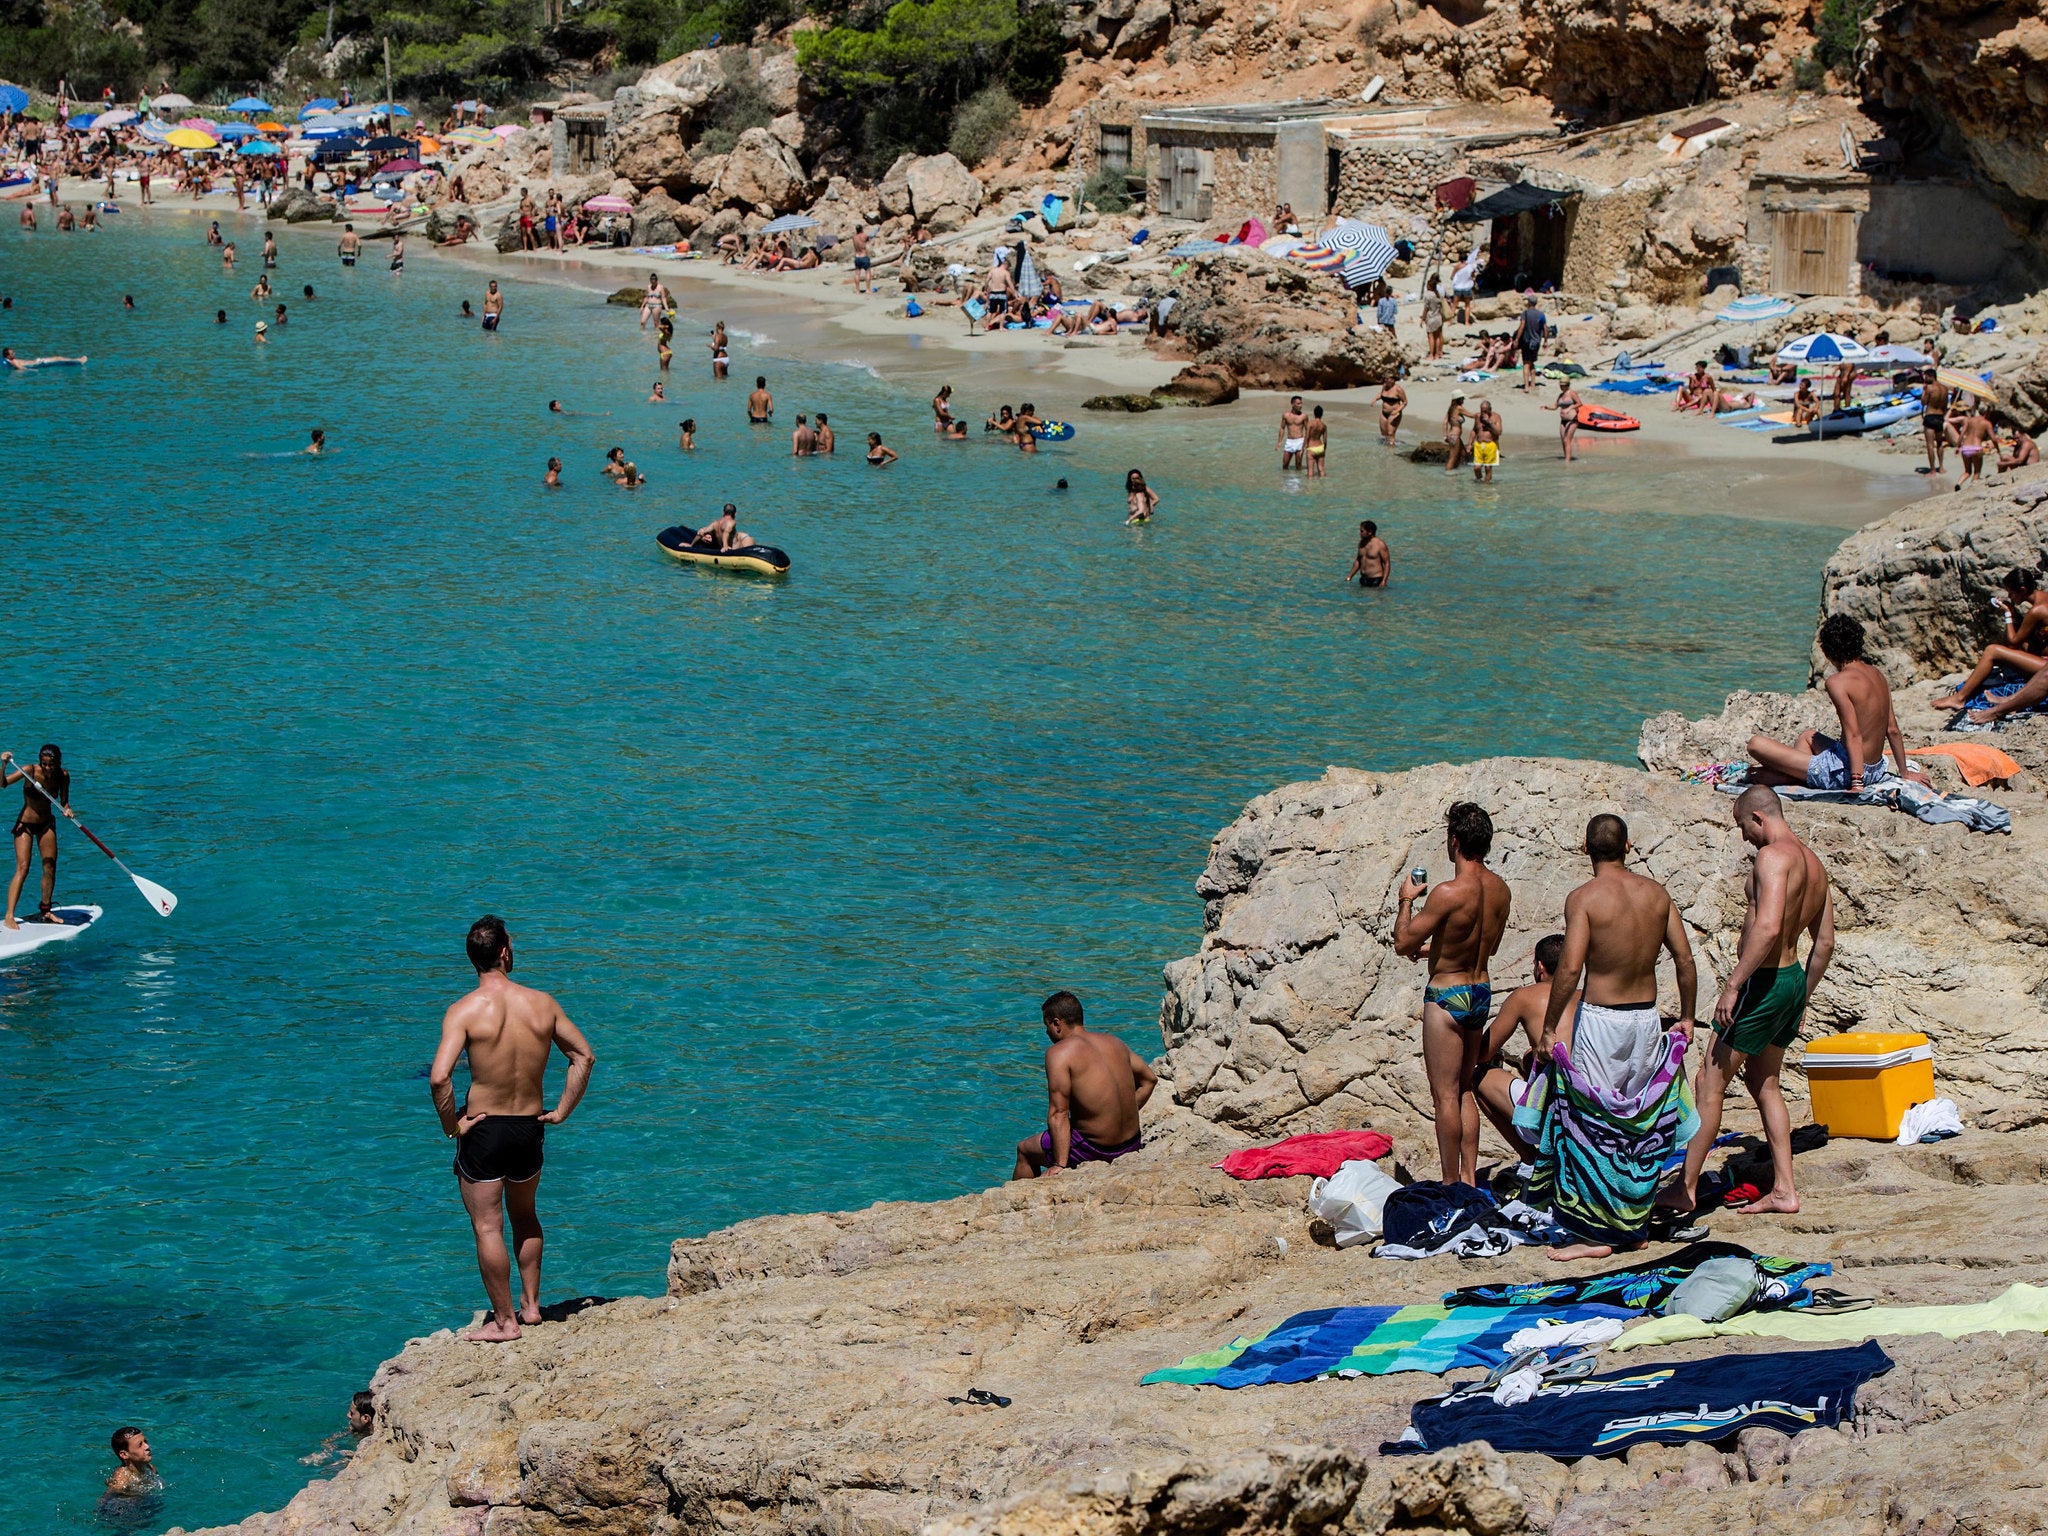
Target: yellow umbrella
{"x":190,"y":138}
{"x":1966,"y":383}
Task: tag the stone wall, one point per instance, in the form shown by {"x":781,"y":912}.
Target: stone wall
{"x":1243,"y":174}
{"x":1392,"y":183}
{"x":1607,"y":240}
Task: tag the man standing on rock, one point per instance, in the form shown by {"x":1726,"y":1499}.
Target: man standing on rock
{"x":1094,"y":1085}
{"x":1293,"y":434}
{"x":1461,"y":926}
{"x":508,"y":1031}
{"x":1760,"y":1008}
{"x":1614,"y":1102}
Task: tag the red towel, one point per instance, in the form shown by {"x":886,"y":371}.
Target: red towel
{"x":1318,"y":1154}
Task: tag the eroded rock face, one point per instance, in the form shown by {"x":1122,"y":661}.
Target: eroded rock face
{"x":942,"y":192}
{"x":649,"y":150}
{"x":1980,"y":75}
{"x":760,"y":172}
{"x":1921,"y":580}
{"x":1273,"y":325}
{"x":1296,"y":1014}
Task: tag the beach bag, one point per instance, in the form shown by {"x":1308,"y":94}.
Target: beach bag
{"x":1351,"y":1200}
{"x":1715,"y":1291}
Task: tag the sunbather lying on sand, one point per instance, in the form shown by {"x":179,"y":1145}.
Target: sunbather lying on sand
{"x":1727,"y":400}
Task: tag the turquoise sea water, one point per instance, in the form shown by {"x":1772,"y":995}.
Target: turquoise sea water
{"x":800,"y":857}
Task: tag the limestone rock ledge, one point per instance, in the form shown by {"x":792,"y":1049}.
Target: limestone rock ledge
{"x":800,"y":1375}
{"x":1297,"y":1015}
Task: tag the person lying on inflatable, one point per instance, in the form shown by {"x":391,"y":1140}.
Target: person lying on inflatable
{"x":723,"y":536}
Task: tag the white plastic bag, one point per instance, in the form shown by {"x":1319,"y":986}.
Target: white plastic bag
{"x":1351,"y":1200}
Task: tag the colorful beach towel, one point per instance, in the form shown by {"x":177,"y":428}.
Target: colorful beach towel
{"x":1644,"y":1287}
{"x":2019,"y":1308}
{"x":1371,"y":1341}
{"x":1315,"y":1153}
{"x":1599,"y":1154}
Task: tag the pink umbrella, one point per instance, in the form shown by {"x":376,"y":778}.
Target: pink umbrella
{"x":506,"y":130}
{"x":608,"y":204}
{"x":201,"y":124}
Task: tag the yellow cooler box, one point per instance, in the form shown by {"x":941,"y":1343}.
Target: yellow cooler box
{"x":1862,"y":1085}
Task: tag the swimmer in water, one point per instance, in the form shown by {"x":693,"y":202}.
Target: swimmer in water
{"x":227,"y":257}
{"x":494,"y":307}
{"x":136,"y":1475}
{"x":660,"y":395}
{"x":878,"y":455}
{"x":349,"y":246}
{"x":719,"y":361}
{"x":127,"y":301}
{"x":262,"y":333}
{"x":307,"y":293}
{"x":826,"y":439}
{"x":319,"y":443}
{"x":1062,"y":485}
{"x":280,"y":317}
{"x":262,"y":288}
{"x":467,"y":312}
{"x":630,"y":478}
{"x":220,"y":317}
{"x":555,"y":406}
{"x":23,"y":364}
{"x":1144,"y":501}
{"x":688,"y":442}
{"x":760,"y":404}
{"x":554,"y":474}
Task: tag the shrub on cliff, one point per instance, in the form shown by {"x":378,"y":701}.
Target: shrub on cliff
{"x":1106,"y":190}
{"x":982,"y":124}
{"x":742,"y":104}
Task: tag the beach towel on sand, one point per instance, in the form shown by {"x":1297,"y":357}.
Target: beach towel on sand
{"x":1316,"y":1153}
{"x":1644,"y":1287}
{"x":2020,"y":1309}
{"x":1371,"y":1341}
{"x":1600,"y":1150}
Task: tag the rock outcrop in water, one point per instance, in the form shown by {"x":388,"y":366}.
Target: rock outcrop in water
{"x":810,"y":1374}
{"x":1921,"y":581}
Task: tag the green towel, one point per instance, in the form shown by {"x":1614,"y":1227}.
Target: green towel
{"x":2022,"y":1309}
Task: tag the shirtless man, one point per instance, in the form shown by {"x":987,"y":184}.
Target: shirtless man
{"x":1373,"y":564}
{"x":1293,"y":439}
{"x":760,"y":404}
{"x":863,"y":262}
{"x":2024,"y":453}
{"x":1523,"y":1010}
{"x":803,"y":442}
{"x":1758,"y":1013}
{"x":1975,"y":438}
{"x":1094,"y":1087}
{"x":1318,"y":445}
{"x":494,"y":306}
{"x":35,"y":828}
{"x":1933,"y":420}
{"x":1486,"y":430}
{"x":1393,"y":405}
{"x":823,"y":440}
{"x":508,"y":1032}
{"x":350,"y":246}
{"x":1615,"y":926}
{"x":1863,"y":704}
{"x":1461,"y":924}
{"x":722,"y":533}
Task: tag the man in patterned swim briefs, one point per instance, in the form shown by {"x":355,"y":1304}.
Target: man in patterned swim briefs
{"x":1461,"y":926}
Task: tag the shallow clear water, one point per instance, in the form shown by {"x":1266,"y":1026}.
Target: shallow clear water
{"x":800,"y":857}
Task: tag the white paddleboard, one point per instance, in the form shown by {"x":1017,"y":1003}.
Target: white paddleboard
{"x":32,"y":936}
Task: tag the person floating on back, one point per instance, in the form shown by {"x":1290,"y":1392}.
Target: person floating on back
{"x":1095,"y":1085}
{"x":1760,"y":1008}
{"x":508,"y":1032}
{"x":1863,"y":704}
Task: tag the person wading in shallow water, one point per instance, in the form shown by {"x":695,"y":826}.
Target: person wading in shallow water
{"x":508,"y":1031}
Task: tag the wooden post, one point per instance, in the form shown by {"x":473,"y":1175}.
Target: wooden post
{"x":387,"y":83}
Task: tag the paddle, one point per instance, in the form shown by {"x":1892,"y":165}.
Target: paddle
{"x":164,"y":902}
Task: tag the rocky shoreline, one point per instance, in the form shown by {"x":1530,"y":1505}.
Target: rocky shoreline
{"x":808,"y":1373}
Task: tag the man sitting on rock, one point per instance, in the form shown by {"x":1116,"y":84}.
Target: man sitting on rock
{"x":1094,"y":1085}
{"x":1863,"y":702}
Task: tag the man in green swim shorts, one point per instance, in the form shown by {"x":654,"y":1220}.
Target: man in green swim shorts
{"x":1760,"y":1008}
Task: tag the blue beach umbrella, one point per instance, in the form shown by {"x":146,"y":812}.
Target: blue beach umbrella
{"x":328,"y":128}
{"x":787,"y":223}
{"x":258,"y":147}
{"x":249,"y":104}
{"x":1756,"y":307}
{"x":235,"y":131}
{"x":319,"y":106}
{"x":13,"y":99}
{"x":1196,"y":248}
{"x":81,"y":120}
{"x":1823,"y":347}
{"x":154,"y":129}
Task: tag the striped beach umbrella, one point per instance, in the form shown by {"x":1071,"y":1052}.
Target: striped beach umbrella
{"x":1966,"y":383}
{"x":1823,"y":347}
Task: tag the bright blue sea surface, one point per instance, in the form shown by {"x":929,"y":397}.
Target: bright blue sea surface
{"x":801,"y":857}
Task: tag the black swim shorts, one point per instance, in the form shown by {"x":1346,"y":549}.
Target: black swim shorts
{"x":500,"y":1147}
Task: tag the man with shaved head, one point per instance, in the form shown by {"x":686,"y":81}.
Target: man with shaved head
{"x":1761,"y":1006}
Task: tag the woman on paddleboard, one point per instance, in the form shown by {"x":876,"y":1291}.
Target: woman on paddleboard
{"x":36,"y":826}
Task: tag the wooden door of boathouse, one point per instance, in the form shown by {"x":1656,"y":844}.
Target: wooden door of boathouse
{"x":1812,"y":251}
